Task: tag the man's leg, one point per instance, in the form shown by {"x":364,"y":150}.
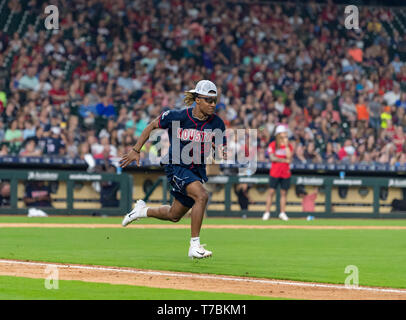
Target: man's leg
{"x":171,"y":213}
{"x":198,"y":193}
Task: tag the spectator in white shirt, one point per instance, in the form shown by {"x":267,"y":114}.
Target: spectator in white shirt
{"x":392,"y":96}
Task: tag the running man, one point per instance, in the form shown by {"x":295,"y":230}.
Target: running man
{"x":193,"y":125}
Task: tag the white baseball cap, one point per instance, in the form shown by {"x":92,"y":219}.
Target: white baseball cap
{"x":56,"y":130}
{"x":280,"y":129}
{"x":203,"y":87}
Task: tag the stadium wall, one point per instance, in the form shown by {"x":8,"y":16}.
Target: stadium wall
{"x":74,"y":193}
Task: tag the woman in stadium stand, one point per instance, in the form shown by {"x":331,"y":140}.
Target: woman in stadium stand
{"x":280,"y":152}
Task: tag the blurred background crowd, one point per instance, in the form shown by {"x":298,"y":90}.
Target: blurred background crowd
{"x":93,"y":85}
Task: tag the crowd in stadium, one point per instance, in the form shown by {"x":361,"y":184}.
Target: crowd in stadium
{"x":94,"y":84}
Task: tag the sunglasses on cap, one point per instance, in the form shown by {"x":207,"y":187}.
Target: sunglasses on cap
{"x":209,"y":100}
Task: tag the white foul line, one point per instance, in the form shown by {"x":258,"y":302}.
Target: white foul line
{"x":197,"y":276}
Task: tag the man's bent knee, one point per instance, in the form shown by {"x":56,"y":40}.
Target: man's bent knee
{"x":176,"y":213}
{"x":202,"y":196}
{"x":174,"y":219}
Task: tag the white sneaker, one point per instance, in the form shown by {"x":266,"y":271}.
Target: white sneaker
{"x":134,"y":214}
{"x":283,"y":216}
{"x":199,"y":252}
{"x":266,"y":216}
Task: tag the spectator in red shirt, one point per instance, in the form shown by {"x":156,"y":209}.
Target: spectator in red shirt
{"x":399,"y":138}
{"x":57,"y":93}
{"x":144,"y":42}
{"x":281,"y":153}
{"x":386,"y":82}
{"x":346,"y":151}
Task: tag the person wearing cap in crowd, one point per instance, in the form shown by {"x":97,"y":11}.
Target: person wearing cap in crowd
{"x":54,"y":141}
{"x":192,"y":135}
{"x":281,"y":153}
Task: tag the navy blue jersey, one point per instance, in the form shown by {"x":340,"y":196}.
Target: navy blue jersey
{"x":191,"y":136}
{"x":53,"y":145}
{"x":32,"y":190}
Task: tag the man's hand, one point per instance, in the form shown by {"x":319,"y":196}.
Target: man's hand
{"x":130,"y":157}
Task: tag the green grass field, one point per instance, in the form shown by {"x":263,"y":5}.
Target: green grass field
{"x":233,"y":221}
{"x":304,"y":255}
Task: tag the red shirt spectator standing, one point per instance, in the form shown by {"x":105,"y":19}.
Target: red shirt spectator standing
{"x":280,"y":152}
{"x":279,"y":169}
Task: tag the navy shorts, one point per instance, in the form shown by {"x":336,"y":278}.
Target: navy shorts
{"x":284,"y":183}
{"x":179,"y":177}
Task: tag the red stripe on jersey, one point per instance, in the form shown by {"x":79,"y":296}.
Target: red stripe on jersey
{"x":187,"y":111}
{"x":212,"y":116}
{"x":159,"y":120}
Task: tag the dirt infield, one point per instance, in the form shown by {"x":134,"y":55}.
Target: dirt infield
{"x":185,"y":226}
{"x":199,"y":282}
